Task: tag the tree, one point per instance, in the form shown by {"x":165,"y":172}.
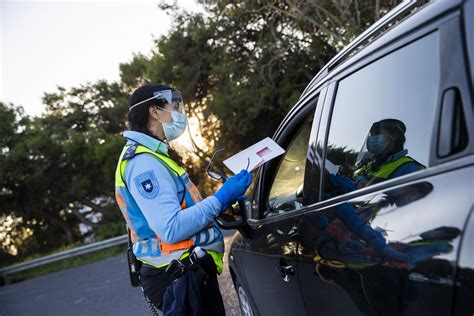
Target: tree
{"x":241,"y":67}
{"x":56,"y":167}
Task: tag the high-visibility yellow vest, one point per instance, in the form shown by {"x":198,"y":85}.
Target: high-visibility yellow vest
{"x":147,"y":246}
{"x":384,"y":172}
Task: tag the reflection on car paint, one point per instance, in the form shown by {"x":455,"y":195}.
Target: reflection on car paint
{"x":349,"y":240}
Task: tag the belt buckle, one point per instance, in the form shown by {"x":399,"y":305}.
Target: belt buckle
{"x":175,"y":268}
{"x":192,"y":257}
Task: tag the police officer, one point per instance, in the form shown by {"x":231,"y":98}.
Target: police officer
{"x":163,"y":209}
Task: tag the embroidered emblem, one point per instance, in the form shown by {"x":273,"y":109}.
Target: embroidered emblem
{"x":147,"y":184}
{"x":130,"y":153}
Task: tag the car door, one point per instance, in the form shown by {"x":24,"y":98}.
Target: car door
{"x":391,"y":247}
{"x":269,"y":253}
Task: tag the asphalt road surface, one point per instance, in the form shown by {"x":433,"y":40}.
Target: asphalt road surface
{"x":101,"y":288}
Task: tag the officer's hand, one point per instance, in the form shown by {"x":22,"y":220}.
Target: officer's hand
{"x":233,"y":188}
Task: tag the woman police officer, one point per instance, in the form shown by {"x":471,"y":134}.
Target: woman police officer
{"x":163,"y":209}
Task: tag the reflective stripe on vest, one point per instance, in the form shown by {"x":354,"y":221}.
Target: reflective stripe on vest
{"x":147,"y":246}
{"x":384,"y":172}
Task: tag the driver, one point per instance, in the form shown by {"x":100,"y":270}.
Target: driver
{"x":163,"y":209}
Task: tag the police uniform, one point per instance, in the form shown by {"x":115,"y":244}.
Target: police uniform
{"x":396,"y":165}
{"x":163,"y":210}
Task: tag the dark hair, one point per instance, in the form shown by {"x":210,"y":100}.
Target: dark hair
{"x":139,"y":115}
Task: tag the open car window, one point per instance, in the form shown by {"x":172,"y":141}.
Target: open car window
{"x":287,"y":187}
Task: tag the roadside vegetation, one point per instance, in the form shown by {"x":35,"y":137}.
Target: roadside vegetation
{"x":238,"y":65}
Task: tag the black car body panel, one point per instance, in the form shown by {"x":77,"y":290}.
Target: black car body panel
{"x":299,"y":254}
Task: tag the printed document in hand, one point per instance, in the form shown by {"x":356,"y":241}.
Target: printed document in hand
{"x":254,"y":156}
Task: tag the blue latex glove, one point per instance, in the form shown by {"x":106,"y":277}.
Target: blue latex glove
{"x":379,"y":243}
{"x":343,"y":184}
{"x":233,"y":189}
{"x":394,"y":255}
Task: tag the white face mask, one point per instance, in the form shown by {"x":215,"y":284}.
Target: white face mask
{"x":176,"y":127}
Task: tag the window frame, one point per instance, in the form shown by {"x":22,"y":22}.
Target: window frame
{"x":283,"y":136}
{"x":289,"y":141}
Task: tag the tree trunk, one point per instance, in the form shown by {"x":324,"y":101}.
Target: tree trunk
{"x":65,"y":227}
{"x":78,"y":214}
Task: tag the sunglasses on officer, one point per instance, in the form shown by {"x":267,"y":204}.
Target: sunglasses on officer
{"x":215,"y":175}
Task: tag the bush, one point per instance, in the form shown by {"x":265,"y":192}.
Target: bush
{"x":109,"y":230}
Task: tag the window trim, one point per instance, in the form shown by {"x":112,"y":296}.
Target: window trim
{"x":290,"y":132}
{"x":454,"y":64}
{"x":298,"y":114}
{"x":418,"y":176}
{"x":296,"y":132}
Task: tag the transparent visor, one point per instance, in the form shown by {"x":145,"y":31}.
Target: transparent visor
{"x":172,"y":97}
{"x":364,"y":155}
{"x":185,"y":142}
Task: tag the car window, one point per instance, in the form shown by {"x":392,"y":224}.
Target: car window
{"x":287,"y":188}
{"x":383,"y":119}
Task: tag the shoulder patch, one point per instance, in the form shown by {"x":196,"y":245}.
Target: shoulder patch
{"x":130,"y":153}
{"x":147,"y":184}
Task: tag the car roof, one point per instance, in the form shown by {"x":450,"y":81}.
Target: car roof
{"x":406,"y":17}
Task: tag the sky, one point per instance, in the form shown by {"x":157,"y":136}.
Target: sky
{"x":45,"y":44}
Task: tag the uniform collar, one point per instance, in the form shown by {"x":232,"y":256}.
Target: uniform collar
{"x":397,"y":155}
{"x":147,"y":141}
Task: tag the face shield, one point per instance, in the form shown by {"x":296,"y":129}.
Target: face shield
{"x":172,"y":97}
{"x":364,"y":155}
{"x":173,"y":103}
{"x":373,"y":139}
{"x":380,"y":139}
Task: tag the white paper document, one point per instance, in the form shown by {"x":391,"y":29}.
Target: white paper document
{"x":254,"y":156}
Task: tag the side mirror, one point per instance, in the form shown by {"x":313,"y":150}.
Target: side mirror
{"x":237,"y":218}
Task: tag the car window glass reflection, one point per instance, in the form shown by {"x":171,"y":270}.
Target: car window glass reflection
{"x":287,"y":188}
{"x":383,"y":117}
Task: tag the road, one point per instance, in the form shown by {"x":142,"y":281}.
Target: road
{"x":100,"y":288}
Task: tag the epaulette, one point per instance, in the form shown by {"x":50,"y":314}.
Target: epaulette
{"x":130,"y":153}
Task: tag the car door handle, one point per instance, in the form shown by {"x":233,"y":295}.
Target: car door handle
{"x":286,"y":271}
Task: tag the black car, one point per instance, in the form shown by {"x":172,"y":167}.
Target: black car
{"x":331,"y":230}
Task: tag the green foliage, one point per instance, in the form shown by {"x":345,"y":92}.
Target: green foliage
{"x":110,"y":229}
{"x":241,"y":67}
{"x":56,"y":165}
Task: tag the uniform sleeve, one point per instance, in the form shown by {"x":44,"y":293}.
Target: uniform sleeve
{"x":154,"y":189}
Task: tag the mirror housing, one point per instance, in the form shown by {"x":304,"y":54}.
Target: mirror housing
{"x":238,"y":218}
